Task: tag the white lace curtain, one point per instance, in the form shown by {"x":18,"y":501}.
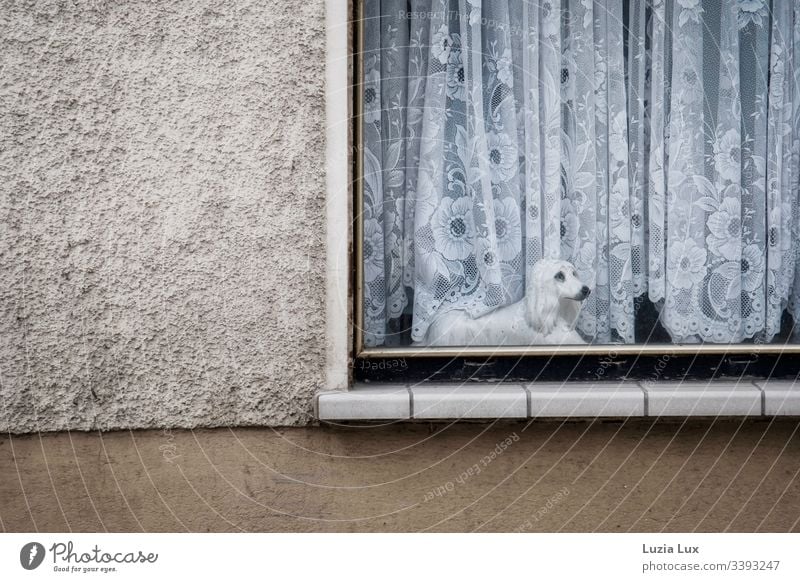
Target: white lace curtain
{"x":655,"y":144}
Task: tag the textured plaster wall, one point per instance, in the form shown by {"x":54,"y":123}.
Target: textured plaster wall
{"x":161,"y":213}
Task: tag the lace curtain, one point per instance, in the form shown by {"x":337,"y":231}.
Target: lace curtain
{"x":654,"y":144}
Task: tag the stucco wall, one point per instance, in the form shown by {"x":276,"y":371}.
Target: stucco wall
{"x":162,"y":213}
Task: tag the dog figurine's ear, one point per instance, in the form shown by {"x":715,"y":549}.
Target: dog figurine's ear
{"x":542,"y":300}
{"x":570,"y":310}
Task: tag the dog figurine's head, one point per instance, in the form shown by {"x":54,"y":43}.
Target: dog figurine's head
{"x":554,"y":296}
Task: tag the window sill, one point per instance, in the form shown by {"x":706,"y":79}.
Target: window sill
{"x":556,"y":400}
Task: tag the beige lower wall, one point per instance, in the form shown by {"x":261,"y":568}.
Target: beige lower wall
{"x":728,"y":475}
{"x":162,"y":213}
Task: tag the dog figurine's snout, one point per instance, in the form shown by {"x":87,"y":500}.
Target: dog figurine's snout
{"x":585,"y":292}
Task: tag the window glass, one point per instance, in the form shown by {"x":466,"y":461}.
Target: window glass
{"x":579,"y":172}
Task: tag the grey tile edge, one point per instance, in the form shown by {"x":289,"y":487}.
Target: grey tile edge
{"x":320,"y":394}
{"x":528,"y":402}
{"x":763,"y":397}
{"x":645,"y":398}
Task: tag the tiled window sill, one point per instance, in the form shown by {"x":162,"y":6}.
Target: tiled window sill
{"x":555,"y":400}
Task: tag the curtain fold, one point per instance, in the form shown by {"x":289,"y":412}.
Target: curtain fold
{"x":653,"y":144}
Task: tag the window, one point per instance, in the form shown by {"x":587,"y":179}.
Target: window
{"x":578,"y":177}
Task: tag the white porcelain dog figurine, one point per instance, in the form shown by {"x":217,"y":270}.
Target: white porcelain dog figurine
{"x":546,"y":315}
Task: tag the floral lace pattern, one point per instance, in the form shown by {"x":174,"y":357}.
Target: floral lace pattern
{"x":499,"y":133}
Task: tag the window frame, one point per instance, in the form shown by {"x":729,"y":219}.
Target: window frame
{"x":697,"y":358}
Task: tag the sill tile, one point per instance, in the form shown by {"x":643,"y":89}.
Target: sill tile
{"x":385,"y":402}
{"x":713,"y":398}
{"x":432,"y":401}
{"x":585,"y":399}
{"x":443,"y":401}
